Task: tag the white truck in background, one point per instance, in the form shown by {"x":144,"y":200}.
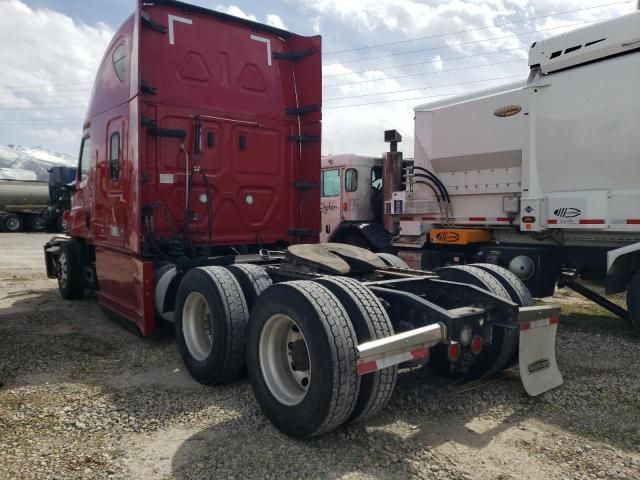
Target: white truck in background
{"x":540,"y":176}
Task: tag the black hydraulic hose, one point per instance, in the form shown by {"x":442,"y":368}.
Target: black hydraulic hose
{"x":442,"y":214}
{"x":433,"y":177}
{"x":443,"y":193}
{"x":433,"y":189}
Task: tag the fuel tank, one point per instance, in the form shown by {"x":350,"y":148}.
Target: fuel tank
{"x":23,"y":193}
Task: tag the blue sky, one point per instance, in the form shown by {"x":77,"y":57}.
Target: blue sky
{"x":394,"y":54}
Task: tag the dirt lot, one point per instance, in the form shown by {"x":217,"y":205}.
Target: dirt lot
{"x":85,"y":398}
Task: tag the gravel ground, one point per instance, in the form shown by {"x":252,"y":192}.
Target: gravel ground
{"x":85,"y":398}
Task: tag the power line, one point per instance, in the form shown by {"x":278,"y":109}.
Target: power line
{"x":35,"y":93}
{"x":399,"y":42}
{"x":425,"y":73}
{"x":424,"y":63}
{"x":38,"y":120}
{"x":422,"y":88}
{"x":396,"y":100}
{"x":36,"y":107}
{"x":470,"y":42}
{"x":56,"y":102}
{"x":46,"y":85}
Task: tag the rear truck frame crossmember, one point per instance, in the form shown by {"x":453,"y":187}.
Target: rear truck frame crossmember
{"x":427,"y":311}
{"x":538,"y":368}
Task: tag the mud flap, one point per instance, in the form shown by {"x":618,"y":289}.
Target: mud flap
{"x":537,"y":359}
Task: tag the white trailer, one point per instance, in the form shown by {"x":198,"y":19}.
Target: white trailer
{"x":541,"y":176}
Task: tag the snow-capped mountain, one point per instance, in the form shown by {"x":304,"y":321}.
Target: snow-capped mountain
{"x":16,"y":159}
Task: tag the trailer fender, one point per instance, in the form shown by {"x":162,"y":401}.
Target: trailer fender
{"x":622,"y":264}
{"x":537,"y":356}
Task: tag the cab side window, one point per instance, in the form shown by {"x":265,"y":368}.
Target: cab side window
{"x":331,"y":183}
{"x":376,"y":178}
{"x":351,"y":180}
{"x":114,"y":156}
{"x":85,"y":159}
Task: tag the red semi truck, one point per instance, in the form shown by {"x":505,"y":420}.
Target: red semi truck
{"x":197,"y":202}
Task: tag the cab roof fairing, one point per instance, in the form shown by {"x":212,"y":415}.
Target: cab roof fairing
{"x":471,"y":96}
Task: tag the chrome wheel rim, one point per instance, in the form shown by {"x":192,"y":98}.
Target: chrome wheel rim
{"x":284,"y":360}
{"x":197,"y":326}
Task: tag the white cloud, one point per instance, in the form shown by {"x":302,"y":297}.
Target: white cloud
{"x":315,"y":24}
{"x":48,"y":63}
{"x":275,"y":21}
{"x":236,"y":12}
{"x":384,"y":80}
{"x":271,"y":19}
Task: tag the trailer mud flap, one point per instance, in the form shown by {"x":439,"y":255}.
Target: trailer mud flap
{"x":537,"y":359}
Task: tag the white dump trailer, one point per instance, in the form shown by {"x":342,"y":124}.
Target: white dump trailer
{"x":541,"y":176}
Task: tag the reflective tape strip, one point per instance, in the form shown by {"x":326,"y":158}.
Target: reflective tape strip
{"x":461,"y":219}
{"x":375,"y":365}
{"x":626,"y":221}
{"x":543,"y":322}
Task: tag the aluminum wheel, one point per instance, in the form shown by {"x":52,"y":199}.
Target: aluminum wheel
{"x":284,"y":360}
{"x":63,"y":270}
{"x":197,"y":324}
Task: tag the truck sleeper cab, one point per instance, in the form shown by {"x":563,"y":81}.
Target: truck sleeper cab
{"x":194,"y":196}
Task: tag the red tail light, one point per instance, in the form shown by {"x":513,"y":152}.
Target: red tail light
{"x":453,"y":352}
{"x":476,"y":344}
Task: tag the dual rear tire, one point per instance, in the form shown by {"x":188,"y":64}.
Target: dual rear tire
{"x":211,"y":321}
{"x":299,"y":343}
{"x":504,"y":346}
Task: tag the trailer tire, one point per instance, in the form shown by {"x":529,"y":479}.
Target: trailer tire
{"x":211,"y":298}
{"x":633,"y":301}
{"x":70,"y":263}
{"x":307,"y":312}
{"x":518,"y":291}
{"x":393,"y":260}
{"x":504,"y":345}
{"x":12,"y":223}
{"x":253,"y":280}
{"x":37,"y":223}
{"x":370,"y":322}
